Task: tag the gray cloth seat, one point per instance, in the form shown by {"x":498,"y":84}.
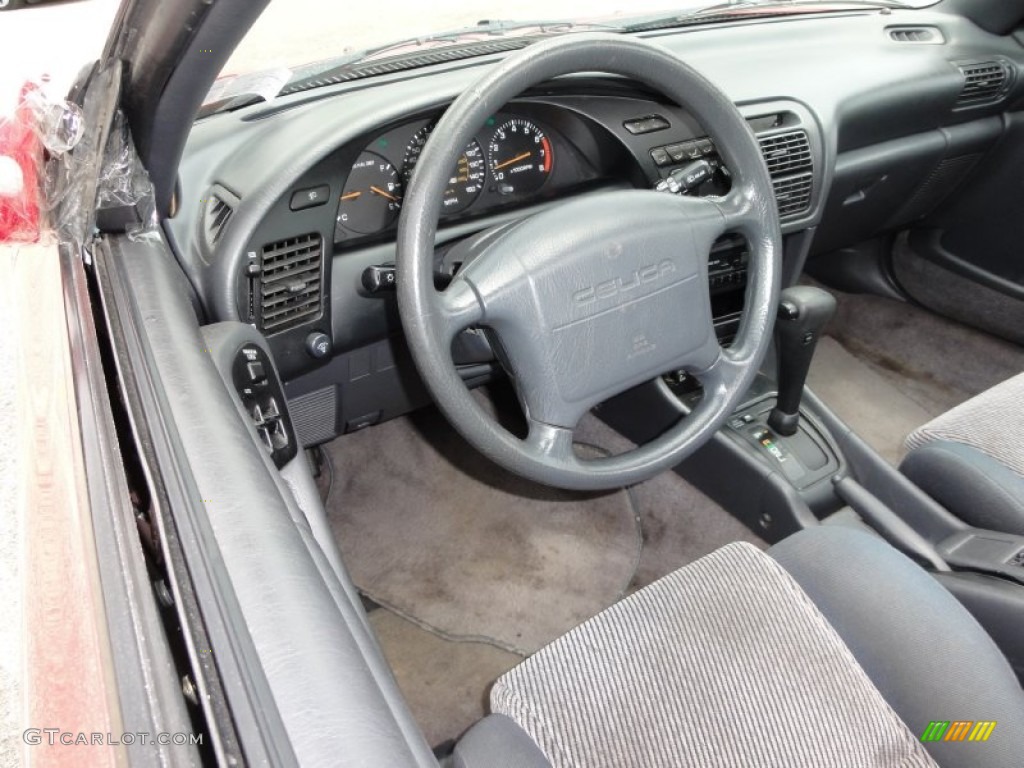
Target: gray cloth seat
{"x":971,"y":458}
{"x":832,"y":649}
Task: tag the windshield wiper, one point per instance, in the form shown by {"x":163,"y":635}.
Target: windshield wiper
{"x":745,"y":9}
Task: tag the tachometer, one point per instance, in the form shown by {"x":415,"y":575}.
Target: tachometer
{"x":372,"y":196}
{"x":467,"y":180}
{"x":520,"y":156}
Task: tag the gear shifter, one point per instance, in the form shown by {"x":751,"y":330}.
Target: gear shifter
{"x":803,"y":312}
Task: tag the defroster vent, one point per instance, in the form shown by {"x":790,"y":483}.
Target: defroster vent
{"x":925,"y":35}
{"x":788,"y":156}
{"x":290,"y":283}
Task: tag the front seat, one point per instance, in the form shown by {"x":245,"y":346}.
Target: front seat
{"x":971,"y":458}
{"x":831,"y":650}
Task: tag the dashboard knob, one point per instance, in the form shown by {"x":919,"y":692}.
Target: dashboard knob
{"x":318,"y":345}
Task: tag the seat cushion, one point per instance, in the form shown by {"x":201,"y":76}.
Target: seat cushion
{"x":971,"y":458}
{"x":991,"y":422}
{"x":725,"y":662}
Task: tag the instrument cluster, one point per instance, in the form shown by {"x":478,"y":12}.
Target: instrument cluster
{"x":511,"y":160}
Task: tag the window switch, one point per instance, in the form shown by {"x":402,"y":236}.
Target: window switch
{"x":256,"y":372}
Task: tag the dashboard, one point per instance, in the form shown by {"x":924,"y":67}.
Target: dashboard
{"x":296,"y":203}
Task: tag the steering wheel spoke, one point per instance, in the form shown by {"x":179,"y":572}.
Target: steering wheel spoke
{"x":550,"y":443}
{"x":458,"y":307}
{"x":742,"y":210}
{"x":722,"y":376}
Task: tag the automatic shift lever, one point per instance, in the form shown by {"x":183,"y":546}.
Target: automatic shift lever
{"x":803,"y":313}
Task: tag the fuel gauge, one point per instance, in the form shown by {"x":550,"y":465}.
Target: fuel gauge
{"x":372,"y":196}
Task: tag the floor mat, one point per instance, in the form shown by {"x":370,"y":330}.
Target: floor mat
{"x":446,"y":684}
{"x":432,"y":530}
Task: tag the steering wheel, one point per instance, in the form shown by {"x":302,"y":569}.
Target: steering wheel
{"x":595,"y":295}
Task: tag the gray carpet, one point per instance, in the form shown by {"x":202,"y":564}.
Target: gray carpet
{"x":476,"y":567}
{"x":431,"y":529}
{"x":445,"y":683}
{"x":891,"y":366}
{"x":680,"y":524}
{"x":937,"y":362}
{"x":877,"y":410}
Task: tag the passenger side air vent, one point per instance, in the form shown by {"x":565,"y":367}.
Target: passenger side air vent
{"x":290,"y":283}
{"x":788,"y":156}
{"x":218,"y":207}
{"x":920,"y":35}
{"x":985,"y":82}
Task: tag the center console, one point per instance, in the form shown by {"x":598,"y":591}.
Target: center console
{"x":784,"y":461}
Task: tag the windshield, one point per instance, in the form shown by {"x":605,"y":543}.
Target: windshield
{"x":291,"y":33}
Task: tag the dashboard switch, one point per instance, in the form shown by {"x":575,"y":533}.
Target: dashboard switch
{"x":678,"y":152}
{"x":318,"y":345}
{"x":661,"y":157}
{"x":310,"y":198}
{"x":257,"y":374}
{"x":648,"y":124}
{"x":380,"y":277}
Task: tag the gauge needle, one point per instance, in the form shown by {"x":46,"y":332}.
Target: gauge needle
{"x":382,"y":193}
{"x":351,"y":196}
{"x":515,"y":159}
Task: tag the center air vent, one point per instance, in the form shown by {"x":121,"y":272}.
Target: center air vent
{"x":920,"y":35}
{"x":985,"y":82}
{"x":791,"y":167}
{"x":290,"y":283}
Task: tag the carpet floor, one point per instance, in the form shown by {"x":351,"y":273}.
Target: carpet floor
{"x":431,"y":529}
{"x":886,"y":367}
{"x":476,"y":568}
{"x":446,"y":683}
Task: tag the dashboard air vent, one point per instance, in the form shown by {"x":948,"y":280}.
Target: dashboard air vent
{"x":984,"y":82}
{"x":290,"y":282}
{"x":921,"y":35}
{"x":791,"y":167}
{"x":793,"y":194}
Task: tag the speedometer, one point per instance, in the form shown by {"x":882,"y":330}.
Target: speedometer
{"x":521,"y":157}
{"x":467,"y":179}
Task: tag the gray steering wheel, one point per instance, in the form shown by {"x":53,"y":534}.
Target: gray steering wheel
{"x":598,"y":294}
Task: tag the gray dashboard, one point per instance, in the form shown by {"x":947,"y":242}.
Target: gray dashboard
{"x":881,"y":107}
